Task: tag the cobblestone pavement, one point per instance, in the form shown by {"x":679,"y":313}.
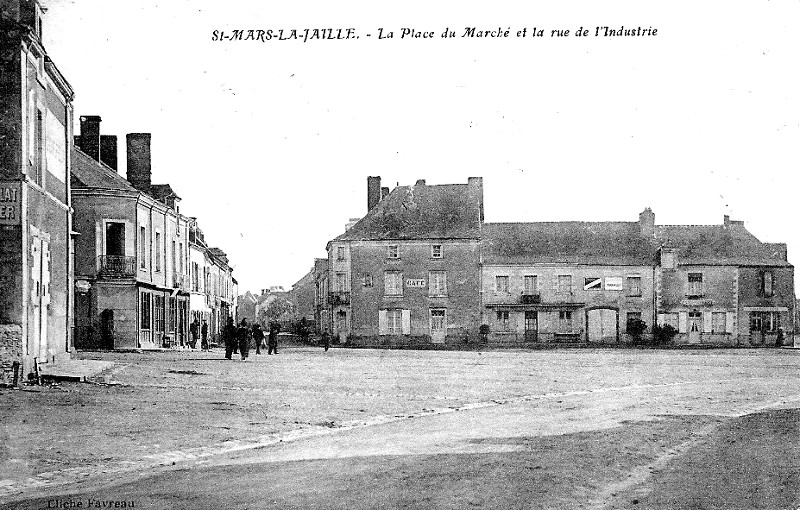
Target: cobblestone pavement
{"x":167,"y":408}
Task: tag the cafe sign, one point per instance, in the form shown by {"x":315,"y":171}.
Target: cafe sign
{"x":10,"y":203}
{"x":415,"y":282}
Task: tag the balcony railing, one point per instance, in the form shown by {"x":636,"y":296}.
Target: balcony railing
{"x":339,"y":298}
{"x":178,"y":281}
{"x":117,"y":266}
{"x":530,"y":298}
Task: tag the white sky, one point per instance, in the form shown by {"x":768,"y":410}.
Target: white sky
{"x":269,"y":144}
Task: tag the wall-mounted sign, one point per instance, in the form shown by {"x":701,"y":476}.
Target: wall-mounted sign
{"x":614,"y":283}
{"x":82,"y":286}
{"x":10,"y":203}
{"x":415,"y":282}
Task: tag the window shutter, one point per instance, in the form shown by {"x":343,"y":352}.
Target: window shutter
{"x":661,"y":318}
{"x":406,"y":322}
{"x":707,"y":325}
{"x":383,"y":323}
{"x":729,"y":317}
{"x":683,"y":318}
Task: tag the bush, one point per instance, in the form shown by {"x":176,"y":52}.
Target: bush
{"x":636,"y":327}
{"x":663,"y":334}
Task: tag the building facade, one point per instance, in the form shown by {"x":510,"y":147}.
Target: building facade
{"x":35,"y":219}
{"x":213,"y":297}
{"x":132,"y":251}
{"x":408,"y":272}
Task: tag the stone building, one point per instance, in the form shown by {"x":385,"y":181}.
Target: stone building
{"x":718,"y":284}
{"x":408,"y":273}
{"x":321,"y":315}
{"x":565,"y":281}
{"x":132,"y":251}
{"x":35,"y":220}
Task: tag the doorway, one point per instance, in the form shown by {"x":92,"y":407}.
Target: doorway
{"x":531,"y":326}
{"x":601,"y":325}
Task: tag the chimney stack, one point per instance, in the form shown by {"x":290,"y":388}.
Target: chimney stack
{"x":476,"y":187}
{"x":647,"y":222}
{"x":373,"y":192}
{"x":89,"y":140}
{"x":139,"y":169}
{"x":108,"y":150}
{"x":420,"y":182}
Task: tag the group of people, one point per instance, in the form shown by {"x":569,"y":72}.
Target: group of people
{"x":238,"y":339}
{"x":197,"y":331}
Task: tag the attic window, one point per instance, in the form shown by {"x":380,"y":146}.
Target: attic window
{"x":695,"y":288}
{"x":767,"y":283}
{"x":436,"y":251}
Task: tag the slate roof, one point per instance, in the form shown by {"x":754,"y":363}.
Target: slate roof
{"x":450,"y":211}
{"x":566,"y":242}
{"x":88,"y":173}
{"x":730,"y":244}
{"x":162,"y":192}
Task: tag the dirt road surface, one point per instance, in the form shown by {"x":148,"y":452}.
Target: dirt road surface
{"x":400,"y":429}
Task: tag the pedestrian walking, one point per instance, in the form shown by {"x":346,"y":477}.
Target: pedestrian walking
{"x":204,"y":336}
{"x":194,"y":331}
{"x":229,"y":337}
{"x":303,"y":330}
{"x":258,"y":337}
{"x":779,"y":338}
{"x":272,"y":343}
{"x":326,"y":340}
{"x":244,"y":339}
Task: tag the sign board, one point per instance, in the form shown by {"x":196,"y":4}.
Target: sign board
{"x":82,"y":285}
{"x":614,"y":283}
{"x":10,"y":203}
{"x":415,"y":282}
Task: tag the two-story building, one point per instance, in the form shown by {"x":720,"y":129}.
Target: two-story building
{"x":565,"y":281}
{"x":35,"y":217}
{"x":718,"y":284}
{"x":408,"y":272}
{"x":132,"y":250}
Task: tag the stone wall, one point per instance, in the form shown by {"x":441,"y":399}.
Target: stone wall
{"x":10,"y":351}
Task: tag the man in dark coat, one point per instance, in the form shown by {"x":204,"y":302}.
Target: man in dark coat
{"x":244,"y":339}
{"x":204,"y":336}
{"x":326,"y":340}
{"x":258,"y":337}
{"x":194,"y":330}
{"x":230,"y":337}
{"x":272,"y":343}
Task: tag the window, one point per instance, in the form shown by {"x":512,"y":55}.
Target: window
{"x":115,"y":238}
{"x":158,"y":313}
{"x":143,"y":247}
{"x":501,"y":283}
{"x":173,"y":313}
{"x":767,"y":283}
{"x":394,"y":322}
{"x":564,"y":283}
{"x":38,"y":163}
{"x":341,"y":282}
{"x":340,"y":252}
{"x":180,"y":258}
{"x":531,"y":284}
{"x":695,"y":287}
{"x":718,"y":322}
{"x":174,"y":256}
{"x":502,"y":321}
{"x":766,"y":322}
{"x":392,"y":252}
{"x":368,"y":280}
{"x":436,"y":251}
{"x":438,"y":283}
{"x":195,"y":277}
{"x":671,"y":319}
{"x":144,"y":310}
{"x":158,"y":251}
{"x":634,"y":286}
{"x":632,"y":316}
{"x":565,"y":321}
{"x":393,"y":283}
{"x":592,"y":283}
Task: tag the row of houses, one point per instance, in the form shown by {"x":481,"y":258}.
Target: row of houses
{"x":87,"y":257}
{"x":422,"y":267}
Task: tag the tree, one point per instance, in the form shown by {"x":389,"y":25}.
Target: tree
{"x":636,"y":327}
{"x":278,"y":309}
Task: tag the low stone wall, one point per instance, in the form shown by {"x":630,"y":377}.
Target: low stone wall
{"x":10,"y":352}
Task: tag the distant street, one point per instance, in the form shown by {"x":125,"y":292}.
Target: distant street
{"x":416,"y":429}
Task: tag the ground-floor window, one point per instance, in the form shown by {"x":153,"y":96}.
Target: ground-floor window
{"x":158,"y":313}
{"x":766,"y":322}
{"x":718,"y":322}
{"x":502,"y":321}
{"x":632,"y":316}
{"x":671,"y":319}
{"x":145,"y":310}
{"x":394,"y":322}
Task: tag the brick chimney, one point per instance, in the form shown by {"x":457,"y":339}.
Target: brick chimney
{"x":108,"y":150}
{"x":139,"y":169}
{"x":373,"y":192}
{"x":647,"y":222}
{"x":89,"y":140}
{"x":476,"y":187}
